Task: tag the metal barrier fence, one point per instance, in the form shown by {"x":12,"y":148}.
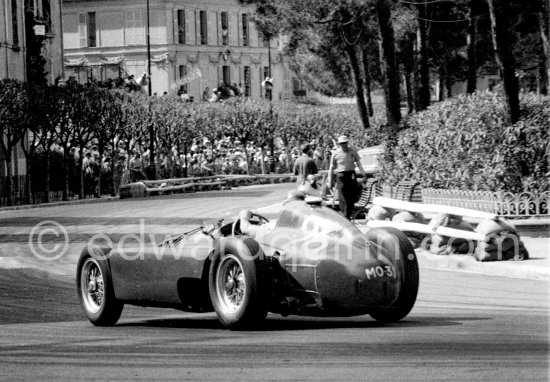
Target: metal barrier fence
{"x":525,"y":204}
{"x":20,"y":192}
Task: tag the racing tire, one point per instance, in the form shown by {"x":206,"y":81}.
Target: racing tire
{"x":239,"y":284}
{"x":95,"y":288}
{"x":407,"y":266}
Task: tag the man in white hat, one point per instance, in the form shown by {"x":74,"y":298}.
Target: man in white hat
{"x":342,"y":165}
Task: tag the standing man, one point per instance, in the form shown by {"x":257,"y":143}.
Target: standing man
{"x":342,"y":164}
{"x":304,"y":165}
{"x":136,"y":169}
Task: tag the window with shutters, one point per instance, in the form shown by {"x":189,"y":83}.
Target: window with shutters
{"x":134,"y":31}
{"x":181,"y":26}
{"x":286,"y":82}
{"x":203,"y":28}
{"x":14,"y":23}
{"x":226,"y":75}
{"x":246,"y":31}
{"x":182,"y":73}
{"x":82,"y":30}
{"x":247,"y":81}
{"x":92,"y":33}
{"x":225,"y":28}
{"x":47,"y":15}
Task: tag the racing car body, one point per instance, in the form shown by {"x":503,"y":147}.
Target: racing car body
{"x":311,"y":261}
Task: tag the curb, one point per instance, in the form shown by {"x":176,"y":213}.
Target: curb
{"x":193,"y":184}
{"x":510,"y":268}
{"x":62,"y":203}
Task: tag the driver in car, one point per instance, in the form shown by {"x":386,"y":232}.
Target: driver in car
{"x":262,"y":227}
{"x":253,"y":228}
{"x":309,"y":186}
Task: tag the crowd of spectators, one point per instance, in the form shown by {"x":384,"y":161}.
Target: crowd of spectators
{"x":202,"y":158}
{"x":104,"y":172}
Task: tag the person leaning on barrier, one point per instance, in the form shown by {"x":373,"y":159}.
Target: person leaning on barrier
{"x":342,"y":165}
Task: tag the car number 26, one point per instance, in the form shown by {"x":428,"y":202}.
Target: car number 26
{"x":381,"y":271}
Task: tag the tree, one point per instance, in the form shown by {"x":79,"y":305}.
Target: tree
{"x":357,"y":74}
{"x":137,"y":114}
{"x":52,"y":117}
{"x":15,"y":115}
{"x":37,"y":132}
{"x":85,"y":107}
{"x":63,"y":127}
{"x":111,"y":124}
{"x":248,"y":120}
{"x":503,"y":45}
{"x":424,"y":90}
{"x":329,"y":24}
{"x":172,"y":124}
{"x":472,"y":45}
{"x":388,"y":60}
{"x":544,"y":25}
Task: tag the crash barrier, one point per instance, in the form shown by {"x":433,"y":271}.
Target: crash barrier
{"x":524,"y":204}
{"x":443,"y":229}
{"x":194,"y":184}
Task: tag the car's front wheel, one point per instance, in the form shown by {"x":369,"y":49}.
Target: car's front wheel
{"x":399,"y":246}
{"x":238,"y":284}
{"x":95,"y":290}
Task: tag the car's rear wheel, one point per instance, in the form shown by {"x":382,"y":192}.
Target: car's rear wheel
{"x":238,"y":284}
{"x":95,"y":290}
{"x":406,"y":263}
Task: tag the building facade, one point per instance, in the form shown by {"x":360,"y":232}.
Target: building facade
{"x":209,"y":41}
{"x":45,"y":19}
{"x":20,"y":22}
{"x":12,"y":40}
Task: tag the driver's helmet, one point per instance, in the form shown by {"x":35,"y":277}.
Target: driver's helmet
{"x":245,"y":214}
{"x":295,"y":195}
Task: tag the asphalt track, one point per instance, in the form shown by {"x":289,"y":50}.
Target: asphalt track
{"x":464,"y":327}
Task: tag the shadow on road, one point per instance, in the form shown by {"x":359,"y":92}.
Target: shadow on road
{"x":274,"y":323}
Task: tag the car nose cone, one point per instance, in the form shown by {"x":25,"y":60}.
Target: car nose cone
{"x":355,"y":284}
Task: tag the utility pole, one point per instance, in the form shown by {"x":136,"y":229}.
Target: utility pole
{"x":152,"y":166}
{"x":270,"y":94}
{"x":148,"y":41}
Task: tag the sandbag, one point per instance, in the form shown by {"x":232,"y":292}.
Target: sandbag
{"x":504,"y":246}
{"x":416,"y":238}
{"x":503,"y":242}
{"x":490,"y":227}
{"x":379,"y":213}
{"x":437,"y":245}
{"x":446,"y":245}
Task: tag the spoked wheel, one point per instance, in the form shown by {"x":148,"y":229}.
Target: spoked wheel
{"x":92,"y":286}
{"x":230,"y":283}
{"x":238,"y":284}
{"x":95,"y":291}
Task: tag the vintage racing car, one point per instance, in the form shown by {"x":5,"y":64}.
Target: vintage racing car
{"x":311,"y":261}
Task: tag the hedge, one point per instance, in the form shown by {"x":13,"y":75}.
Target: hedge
{"x":467,"y":143}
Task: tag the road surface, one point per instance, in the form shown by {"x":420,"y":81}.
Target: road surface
{"x":464,"y":326}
